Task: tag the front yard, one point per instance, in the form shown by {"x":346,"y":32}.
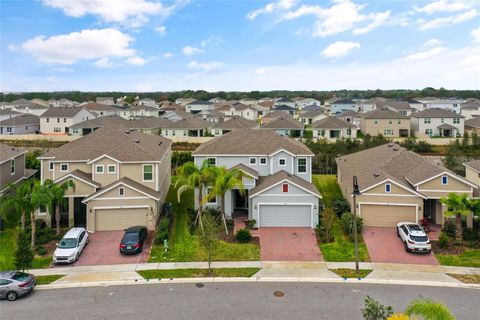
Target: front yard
{"x":184,"y":246}
{"x":328,"y":187}
{"x":197,"y":273}
{"x":469,"y":258}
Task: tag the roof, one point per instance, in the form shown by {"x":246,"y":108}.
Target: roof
{"x":344,"y":101}
{"x":331,"y":123}
{"x":474,"y":164}
{"x":118,"y":143}
{"x":284,"y":107}
{"x":436,"y":113}
{"x":284,"y":123}
{"x":383,"y":114}
{"x":284,"y":100}
{"x":8,"y":111}
{"x":311,"y":113}
{"x":128,"y":182}
{"x":200,"y":102}
{"x":397,"y":105}
{"x":266,"y":104}
{"x":349,"y":113}
{"x":62,"y":112}
{"x":24,"y":119}
{"x":8,"y":152}
{"x":247,"y":170}
{"x":236,"y":123}
{"x":87,"y":177}
{"x":276,"y":114}
{"x":251,"y":142}
{"x":312,"y":107}
{"x":266,"y":182}
{"x":446,"y":126}
{"x":93,"y":106}
{"x":473,"y":123}
{"x":103,"y":122}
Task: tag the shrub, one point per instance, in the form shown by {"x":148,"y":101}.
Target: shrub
{"x":41,"y":250}
{"x":45,"y":235}
{"x":428,"y":309}
{"x":230,"y":224}
{"x":340,"y":205}
{"x":243,"y":236}
{"x":40,"y":224}
{"x":162,"y":230}
{"x":327,"y":221}
{"x":24,"y":253}
{"x":347,"y":224}
{"x":250,"y":224}
{"x":373,"y":310}
{"x":443,"y":240}
{"x":449,"y":228}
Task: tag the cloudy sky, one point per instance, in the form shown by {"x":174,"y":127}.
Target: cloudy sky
{"x":153,"y":45}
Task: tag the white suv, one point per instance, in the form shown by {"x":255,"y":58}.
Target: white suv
{"x":71,"y":246}
{"x":413,"y":237}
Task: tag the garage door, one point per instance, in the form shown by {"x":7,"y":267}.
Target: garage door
{"x":386,"y":216}
{"x":119,"y":219}
{"x":285,"y":216}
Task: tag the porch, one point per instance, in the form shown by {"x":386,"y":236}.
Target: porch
{"x":447,"y":131}
{"x":72,"y":214}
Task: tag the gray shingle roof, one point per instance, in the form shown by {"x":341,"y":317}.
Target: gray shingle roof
{"x":349,"y":113}
{"x":436,"y":113}
{"x":93,"y":106}
{"x":236,"y":123}
{"x":247,"y":170}
{"x":24,"y":119}
{"x":7,"y":152}
{"x":284,"y":123}
{"x":474,"y":122}
{"x":331,"y":123}
{"x":81,"y":175}
{"x":383,"y":114}
{"x":129,"y":182}
{"x":474,"y":164}
{"x":268,"y":181}
{"x":62,"y":112}
{"x":103,"y":122}
{"x":398,"y":105}
{"x":446,"y":126}
{"x":8,"y":111}
{"x":311,"y":113}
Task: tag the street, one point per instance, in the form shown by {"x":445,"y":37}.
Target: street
{"x":229,"y":301}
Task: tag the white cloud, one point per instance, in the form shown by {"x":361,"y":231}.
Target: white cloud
{"x":205,"y":65}
{"x":161,"y":30}
{"x":167,"y":55}
{"x":432,"y":43}
{"x":104,"y":63}
{"x":443,"y":6}
{"x":423,"y":55}
{"x":211,"y":41}
{"x":131,"y":13}
{"x":447,"y":21}
{"x":190,"y":51}
{"x":475,"y":33}
{"x":378,"y":19}
{"x":339,"y":49}
{"x":89,"y":44}
{"x":280,"y":5}
{"x":136,"y":61}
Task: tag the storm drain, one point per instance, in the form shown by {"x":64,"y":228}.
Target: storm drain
{"x":199,"y":285}
{"x":278,"y":294}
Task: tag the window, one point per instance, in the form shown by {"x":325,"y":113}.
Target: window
{"x":58,"y":120}
{"x":282,"y":162}
{"x":112,"y":168}
{"x":456,"y":120}
{"x":50,"y":166}
{"x":399,"y":121}
{"x":388,"y":132}
{"x":388,"y":188}
{"x":429,"y":132}
{"x":217,"y":132}
{"x":285,"y":187}
{"x":121,"y":191}
{"x":9,"y":130}
{"x":64,"y":167}
{"x":57,"y":129}
{"x":99,"y":169}
{"x":427,"y":120}
{"x":65,"y":120}
{"x":4,"y":282}
{"x":390,"y":121}
{"x":442,"y":120}
{"x":376,"y":121}
{"x":263,"y":161}
{"x":211,"y":162}
{"x":173,"y":132}
{"x":212,"y":199}
{"x":253,"y":161}
{"x":12,"y":166}
{"x":185,"y":133}
{"x":302,"y":165}
{"x":48,"y":120}
{"x":444,"y":180}
{"x":148,"y":172}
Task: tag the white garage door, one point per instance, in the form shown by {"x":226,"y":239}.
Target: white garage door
{"x":119,"y":219}
{"x":285,"y":216}
{"x":387,"y":216}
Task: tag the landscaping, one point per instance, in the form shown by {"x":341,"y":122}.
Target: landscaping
{"x":350,"y":273}
{"x":468,"y":258}
{"x":328,"y":187}
{"x":47,"y":279}
{"x":197,"y":273}
{"x":466,"y":278}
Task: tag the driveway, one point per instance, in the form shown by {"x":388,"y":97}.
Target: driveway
{"x":288,"y":244}
{"x":102,"y":249}
{"x":384,"y":246}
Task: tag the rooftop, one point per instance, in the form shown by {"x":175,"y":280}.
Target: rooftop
{"x":383,"y":114}
{"x":436,"y":113}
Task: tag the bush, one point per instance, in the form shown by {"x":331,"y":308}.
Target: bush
{"x":24,"y":253}
{"x":347,"y":224}
{"x":230,"y":224}
{"x":243,"y":236}
{"x":41,"y":250}
{"x":327,"y":220}
{"x":340,"y":205}
{"x":250,"y":224}
{"x":449,"y":228}
{"x":40,"y":224}
{"x":162,"y":230}
{"x":443,"y":240}
{"x":45,"y":235}
{"x":373,"y":310}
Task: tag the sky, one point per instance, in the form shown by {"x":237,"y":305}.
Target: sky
{"x":232,"y":45}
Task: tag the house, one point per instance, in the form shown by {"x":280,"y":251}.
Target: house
{"x":199,"y":105}
{"x":40,"y":102}
{"x":176,"y":115}
{"x":402,"y":107}
{"x":8,"y":113}
{"x":436,"y":122}
{"x":266,"y":104}
{"x":285,"y":102}
{"x":12,"y":166}
{"x":350,"y":116}
{"x":286,"y":126}
{"x":88,"y":126}
{"x":25,"y":106}
{"x":190,"y":127}
{"x":217,"y":100}
{"x":105,"y":100}
{"x":301,"y":103}
{"x":385,"y":122}
{"x":248,"y":101}
{"x":285,"y":108}
{"x":470,"y":109}
{"x":265,"y":99}
{"x":184,"y":101}
{"x":314,"y":107}
{"x":273,"y":115}
{"x":398,"y":185}
{"x":472,"y":125}
{"x":416,"y":105}
{"x":100,"y":110}
{"x":371,"y":104}
{"x":121,"y":179}
{"x":472,"y":174}
{"x":262,"y":108}
{"x":61,"y":103}
{"x":23,"y":124}
{"x":234,"y":123}
{"x":213,"y":116}
{"x":137,"y":111}
{"x":239,"y":109}
{"x":340,"y":106}
{"x":309,"y":117}
{"x":333,"y":128}
{"x":148,"y":102}
{"x":277,"y":177}
{"x":434,"y":103}
{"x":58,"y":120}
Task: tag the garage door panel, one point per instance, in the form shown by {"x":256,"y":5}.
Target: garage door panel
{"x":119,"y":219}
{"x":285,"y":216}
{"x":387,"y":216}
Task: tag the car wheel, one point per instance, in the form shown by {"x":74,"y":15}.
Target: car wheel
{"x":11,"y":296}
{"x":77,"y":256}
{"x":406,"y":247}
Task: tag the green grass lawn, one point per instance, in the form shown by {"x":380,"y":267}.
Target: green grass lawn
{"x":328,"y":187}
{"x":47,"y":279}
{"x":350,"y":273}
{"x":194,"y":273}
{"x":342,"y":249}
{"x":469,"y":258}
{"x":184,"y":246}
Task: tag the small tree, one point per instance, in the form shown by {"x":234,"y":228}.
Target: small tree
{"x":57,"y":198}
{"x":457,"y":206}
{"x":18,"y":200}
{"x":40,"y":198}
{"x":208,"y":236}
{"x":327,"y":221}
{"x":428,"y":310}
{"x":24,"y":252}
{"x":373,"y":310}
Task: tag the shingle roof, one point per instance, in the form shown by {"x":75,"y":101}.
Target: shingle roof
{"x":129,"y":182}
{"x":311,"y":113}
{"x":93,"y":106}
{"x":247,"y":170}
{"x":200,"y":102}
{"x":118,"y":143}
{"x":344,"y":101}
{"x":24,"y":119}
{"x":284,"y":107}
{"x":65,"y":112}
{"x":398,"y":105}
{"x":349,"y":113}
{"x":236,"y":123}
{"x":7,"y":152}
{"x":251,"y":142}
{"x":103,"y":122}
{"x":474,"y":122}
{"x":283,"y":123}
{"x":273,"y":179}
{"x":81,"y":175}
{"x":331,"y":123}
{"x":383,"y":114}
{"x":436,"y":113}
{"x":474,"y":164}
{"x":276,"y":114}
{"x":446,"y":126}
{"x":8,"y":111}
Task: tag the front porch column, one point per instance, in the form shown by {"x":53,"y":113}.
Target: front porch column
{"x":444,"y":208}
{"x":71,"y":207}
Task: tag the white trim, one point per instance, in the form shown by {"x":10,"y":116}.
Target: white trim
{"x":114,"y":186}
{"x":285,"y":204}
{"x":260,"y":161}
{"x":280,"y":150}
{"x":99,"y":166}
{"x":388,"y":204}
{"x":63,"y":163}
{"x":14,"y":157}
{"x":280,"y":182}
{"x":306,"y":163}
{"x":121,"y":197}
{"x":389,"y":185}
{"x":246,"y":155}
{"x":51,"y":163}
{"x":395,"y":183}
{"x":110,"y":166}
{"x":446,"y":180}
{"x":448,"y":174}
{"x":75,"y":195}
{"x":456,"y":191}
{"x":250,"y":161}
{"x":143,"y":172}
{"x":389,"y":195}
{"x":74,"y":176}
{"x":102,"y":156}
{"x":467,"y":166}
{"x":282,"y":165}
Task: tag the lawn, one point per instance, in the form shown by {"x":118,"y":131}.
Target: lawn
{"x":342,"y":249}
{"x":469,"y":258}
{"x":350,"y":273}
{"x":47,"y":279}
{"x":185,"y":246}
{"x":197,"y":273}
{"x":328,"y":187}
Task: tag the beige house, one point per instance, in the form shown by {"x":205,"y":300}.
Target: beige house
{"x":397,"y":185}
{"x":472,"y":174}
{"x":386,"y":122}
{"x":58,"y":120}
{"x":121,"y":178}
{"x":472,"y":125}
{"x":12,"y":166}
{"x":332,"y":128}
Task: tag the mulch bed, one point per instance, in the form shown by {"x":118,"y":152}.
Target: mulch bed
{"x":450,"y":249}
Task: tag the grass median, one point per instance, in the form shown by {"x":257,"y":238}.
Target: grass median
{"x":197,"y":273}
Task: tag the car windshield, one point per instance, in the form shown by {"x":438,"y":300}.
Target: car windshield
{"x":414,"y":227}
{"x":130,"y":238}
{"x":20,"y":276}
{"x":419,"y":238}
{"x":67,"y":243}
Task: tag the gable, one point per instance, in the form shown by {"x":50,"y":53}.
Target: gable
{"x":454,"y":184}
{"x":128,"y":192}
{"x":81,"y":187}
{"x":394,"y":190}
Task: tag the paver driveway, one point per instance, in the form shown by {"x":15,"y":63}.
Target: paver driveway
{"x":103,"y":250}
{"x":288,"y":244}
{"x":384,"y":246}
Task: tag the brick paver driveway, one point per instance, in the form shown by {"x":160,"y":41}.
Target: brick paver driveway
{"x":288,"y":244}
{"x":384,"y":246}
{"x":103,"y":250}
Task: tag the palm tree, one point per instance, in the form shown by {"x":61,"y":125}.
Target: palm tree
{"x":18,"y":199}
{"x":57,"y":198}
{"x":457,"y":206}
{"x":226,"y":180}
{"x":428,"y":310}
{"x":41,"y":197}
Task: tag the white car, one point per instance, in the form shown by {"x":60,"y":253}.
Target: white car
{"x":413,"y":237}
{"x":71,"y":246}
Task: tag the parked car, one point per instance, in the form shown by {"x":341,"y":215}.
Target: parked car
{"x":414,"y":237}
{"x":133,"y":240}
{"x":71,"y":246}
{"x":14,"y":284}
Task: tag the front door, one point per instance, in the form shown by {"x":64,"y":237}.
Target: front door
{"x":79,"y":213}
{"x":241,"y":201}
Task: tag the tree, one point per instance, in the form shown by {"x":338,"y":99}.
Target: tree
{"x":373,"y":310}
{"x":41,"y":198}
{"x":208,"y":236}
{"x":457,"y":206}
{"x":427,"y":309}
{"x":225,"y":180}
{"x":18,"y":200}
{"x":465,"y":140}
{"x":24,"y":253}
{"x":57,"y":198}
{"x":327,"y":221}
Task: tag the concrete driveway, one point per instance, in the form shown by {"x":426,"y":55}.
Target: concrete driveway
{"x":384,"y":246}
{"x":103,"y":250}
{"x":288,"y":244}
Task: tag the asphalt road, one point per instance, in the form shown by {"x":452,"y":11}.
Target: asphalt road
{"x":229,"y":301}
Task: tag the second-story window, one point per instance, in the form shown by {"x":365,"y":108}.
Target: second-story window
{"x":99,"y":169}
{"x":121,"y":192}
{"x":302,"y":165}
{"x":253,"y":161}
{"x":211,"y":162}
{"x":282,"y":162}
{"x":50,"y":166}
{"x":112,"y":168}
{"x":12,"y":166}
{"x":444,"y":180}
{"x":263,"y":161}
{"x":456,"y":120}
{"x":388,"y":188}
{"x":64,"y":167}
{"x":147,"y":172}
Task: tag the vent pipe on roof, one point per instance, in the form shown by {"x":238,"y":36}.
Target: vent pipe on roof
{"x":136,"y":141}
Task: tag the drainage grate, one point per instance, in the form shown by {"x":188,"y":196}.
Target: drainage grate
{"x":199,"y":285}
{"x":278,"y":294}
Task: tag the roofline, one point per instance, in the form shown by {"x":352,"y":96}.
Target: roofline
{"x":449,"y":174}
{"x":93,"y":196}
{"x":467,"y":166}
{"x":72,"y":175}
{"x":11,"y":158}
{"x":244,"y":154}
{"x":395,"y":183}
{"x":286,"y":179}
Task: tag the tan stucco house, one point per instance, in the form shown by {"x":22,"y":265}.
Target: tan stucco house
{"x":386,"y":122}
{"x":12,"y":166}
{"x":121,"y":178}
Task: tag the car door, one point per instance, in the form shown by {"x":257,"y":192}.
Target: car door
{"x":4,"y":287}
{"x":81,"y":241}
{"x":404,"y":232}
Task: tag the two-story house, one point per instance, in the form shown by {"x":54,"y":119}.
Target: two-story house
{"x":285,"y":102}
{"x":332,"y":128}
{"x":309,"y":117}
{"x":58,"y":120}
{"x":340,"y":106}
{"x":12,"y":166}
{"x":277,"y":177}
{"x":121,"y":178}
{"x":386,"y":122}
{"x":350,"y":116}
{"x":437,"y":123}
{"x":24,"y":124}
{"x":234,"y":123}
{"x":100,"y":110}
{"x":199,"y":105}
{"x":105,"y":100}
{"x":450,"y":104}
{"x":286,"y":126}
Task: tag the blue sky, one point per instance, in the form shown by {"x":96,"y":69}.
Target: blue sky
{"x":150,"y":45}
